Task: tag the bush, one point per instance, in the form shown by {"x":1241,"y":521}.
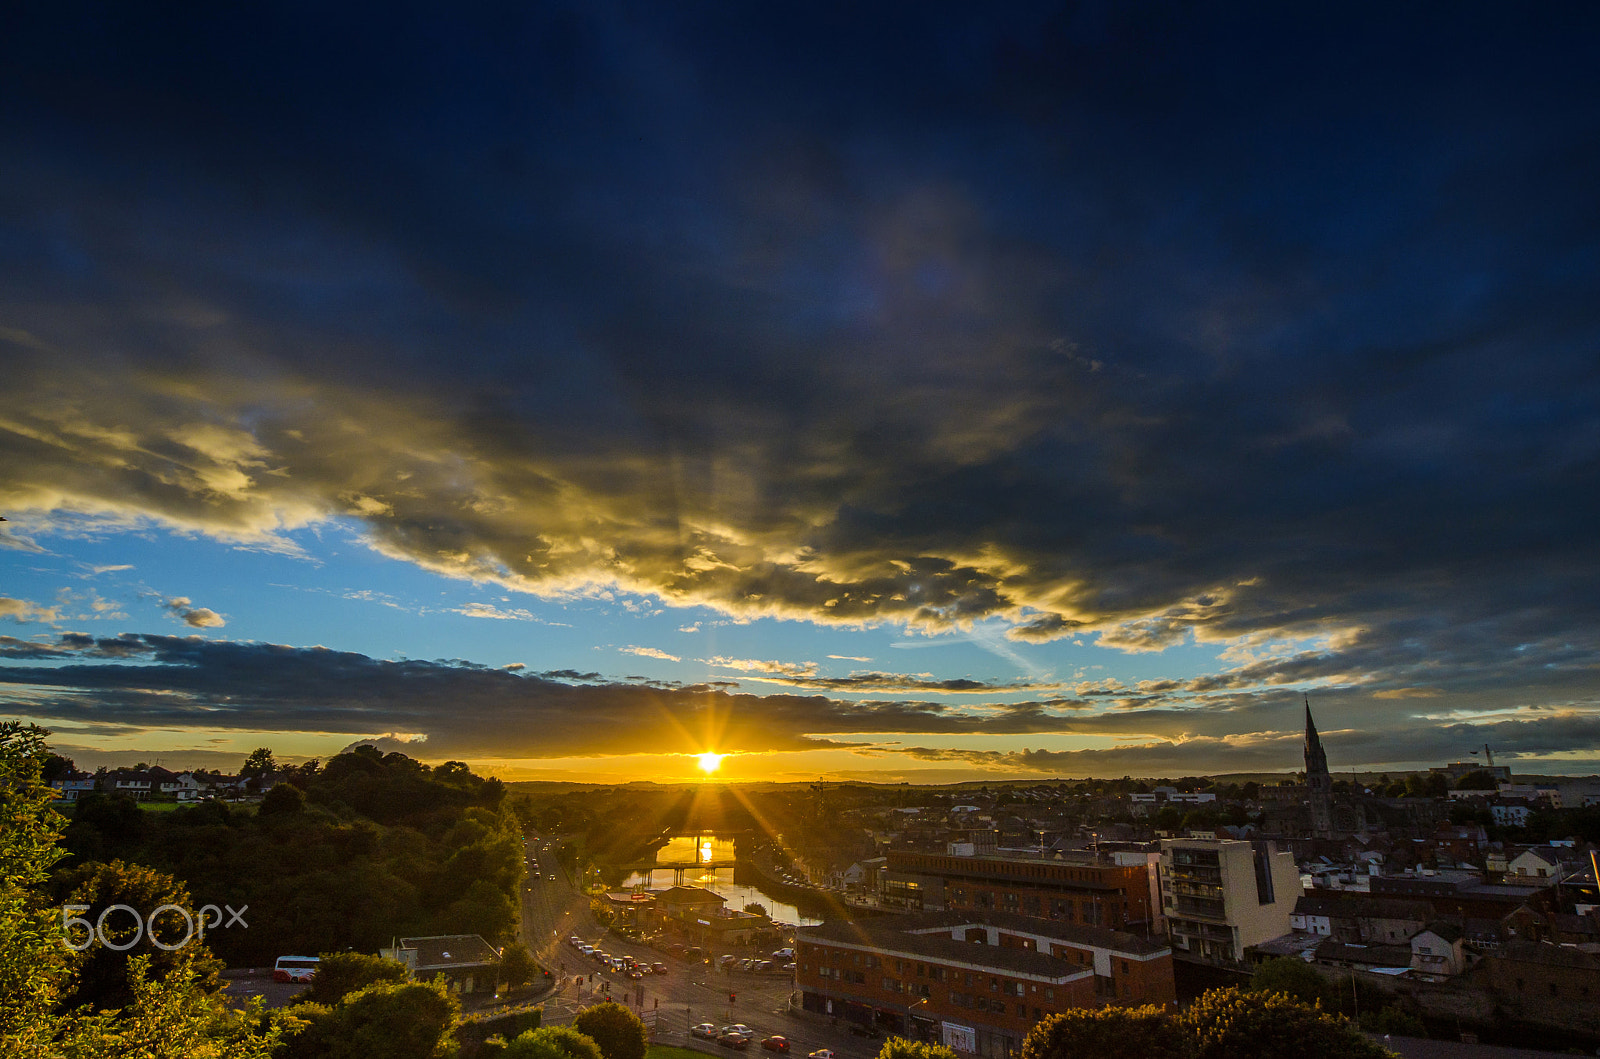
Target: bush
{"x":552,"y":1042}
{"x":1230,"y":1024}
{"x":341,"y":973}
{"x":900,"y":1048}
{"x":617,"y":1031}
{"x":1106,"y":1033}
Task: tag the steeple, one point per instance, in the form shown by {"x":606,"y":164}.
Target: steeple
{"x":1319,"y":784}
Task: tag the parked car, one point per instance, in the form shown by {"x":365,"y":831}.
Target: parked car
{"x":775,"y":1043}
{"x":705,"y":1029}
{"x":726,"y":958}
{"x":658,"y":967}
{"x":859,"y":1029}
{"x":729,"y":1039}
{"x":739,"y":1027}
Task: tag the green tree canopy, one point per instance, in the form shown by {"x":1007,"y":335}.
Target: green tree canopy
{"x":553,"y":1042}
{"x":1106,"y":1033}
{"x":409,"y":1021}
{"x":103,"y":980}
{"x":1478,"y":780}
{"x":1232,"y":1024}
{"x":1296,"y":978}
{"x":341,"y":973}
{"x":517,"y":965}
{"x":901,"y":1048}
{"x":283,"y":799}
{"x":617,"y":1031}
{"x":258,"y":764}
{"x":176,"y":1017}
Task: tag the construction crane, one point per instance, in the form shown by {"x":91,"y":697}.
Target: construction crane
{"x":1488,"y":755}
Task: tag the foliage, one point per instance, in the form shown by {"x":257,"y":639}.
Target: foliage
{"x":554,"y":1042}
{"x":1393,"y":1020}
{"x":284,"y":798}
{"x":258,"y":764}
{"x":1222,"y":1024}
{"x":1478,"y":780}
{"x":341,"y":973}
{"x":170,"y":1018}
{"x":1296,"y":978}
{"x":601,"y":911}
{"x":174,"y":1017}
{"x":103,"y":980}
{"x":1231,"y":1024}
{"x":617,"y":1031}
{"x":382,"y":845}
{"x":1106,"y":1033}
{"x":517,"y":966}
{"x":756,"y":908}
{"x":396,"y":1021}
{"x":33,"y":962}
{"x":901,"y":1048}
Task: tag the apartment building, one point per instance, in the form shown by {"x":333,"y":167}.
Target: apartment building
{"x":973,"y":982}
{"x":1110,"y":890}
{"x":1221,"y":896}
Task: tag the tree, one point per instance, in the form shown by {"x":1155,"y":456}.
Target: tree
{"x":553,"y":1042}
{"x":1106,"y":1033}
{"x":756,"y":908}
{"x":103,"y":980}
{"x":283,"y":799}
{"x":34,"y":966}
{"x":56,"y":767}
{"x":1478,"y":780}
{"x":1231,"y":1024}
{"x":341,"y":973}
{"x":174,"y":1018}
{"x":1297,"y":979}
{"x":258,"y":764}
{"x":617,"y":1031}
{"x":517,"y":966}
{"x":405,"y":1021}
{"x":900,"y":1048}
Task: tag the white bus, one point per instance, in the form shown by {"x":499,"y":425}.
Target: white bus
{"x":294,"y":968}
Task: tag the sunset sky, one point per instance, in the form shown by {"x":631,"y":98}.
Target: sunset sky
{"x":903,"y":392}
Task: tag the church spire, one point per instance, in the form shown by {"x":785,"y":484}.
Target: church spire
{"x":1319,"y":784}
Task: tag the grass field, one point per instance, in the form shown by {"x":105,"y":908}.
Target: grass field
{"x":667,"y":1051}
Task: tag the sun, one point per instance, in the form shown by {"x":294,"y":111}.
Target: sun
{"x":710,"y":762}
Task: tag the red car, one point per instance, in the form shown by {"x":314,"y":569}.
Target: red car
{"x":775,"y":1043}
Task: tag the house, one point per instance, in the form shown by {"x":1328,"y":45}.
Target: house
{"x":1536,"y":866}
{"x":1508,"y":813}
{"x":70,"y":790}
{"x":1439,"y":949}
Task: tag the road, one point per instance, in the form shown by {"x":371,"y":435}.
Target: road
{"x":555,"y":909}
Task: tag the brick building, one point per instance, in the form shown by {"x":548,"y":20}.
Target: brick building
{"x":976,"y":982}
{"x":1103,"y":890}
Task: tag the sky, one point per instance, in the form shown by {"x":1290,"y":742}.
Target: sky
{"x":902,"y":392}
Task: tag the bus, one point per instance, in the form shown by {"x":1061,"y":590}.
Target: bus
{"x":294,"y":968}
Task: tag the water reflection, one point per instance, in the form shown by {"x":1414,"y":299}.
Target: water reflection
{"x":720,"y":881}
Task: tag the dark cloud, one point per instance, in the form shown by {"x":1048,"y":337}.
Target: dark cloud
{"x":1250,"y":327}
{"x":459,"y":708}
